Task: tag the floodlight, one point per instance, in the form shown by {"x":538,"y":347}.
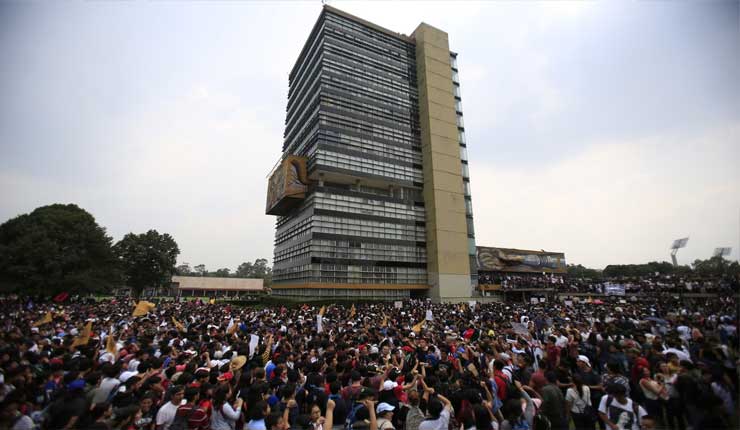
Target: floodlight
{"x":721,"y":252}
{"x":678,"y":244}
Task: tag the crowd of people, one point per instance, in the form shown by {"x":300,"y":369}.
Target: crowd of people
{"x":656,"y":284}
{"x":411,"y":365}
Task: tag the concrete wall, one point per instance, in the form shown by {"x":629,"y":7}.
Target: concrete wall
{"x":448,"y":264}
{"x":208,"y":283}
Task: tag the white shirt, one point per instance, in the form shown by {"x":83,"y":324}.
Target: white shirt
{"x":105,"y":388}
{"x":440,"y":423}
{"x":166,"y":415}
{"x":127,"y":374}
{"x":622,"y":415}
{"x":561,"y":342}
{"x":578,"y":401}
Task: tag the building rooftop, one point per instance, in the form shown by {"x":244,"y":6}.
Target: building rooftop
{"x":221,"y":284}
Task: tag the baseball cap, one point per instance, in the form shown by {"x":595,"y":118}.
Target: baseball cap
{"x":584,"y":359}
{"x":228,"y":376}
{"x":384,"y":407}
{"x":389,"y":385}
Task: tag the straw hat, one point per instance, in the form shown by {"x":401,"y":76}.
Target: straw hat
{"x":238,"y":362}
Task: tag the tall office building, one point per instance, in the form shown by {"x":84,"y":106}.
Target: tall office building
{"x":372,"y":192}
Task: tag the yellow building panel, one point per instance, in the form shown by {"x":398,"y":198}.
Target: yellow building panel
{"x":441,"y":83}
{"x":449,"y":221}
{"x":443,"y":129}
{"x":442,"y":145}
{"x":436,"y":53}
{"x":426,"y":34}
{"x":448,"y":182}
{"x":448,"y":263}
{"x":434,"y":67}
{"x":446,"y":163}
{"x":452,"y":252}
{"x":454,"y":202}
{"x":442,"y":112}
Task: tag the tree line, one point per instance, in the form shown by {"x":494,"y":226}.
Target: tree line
{"x":258,"y":269}
{"x":711,"y":267}
{"x":61,"y":248}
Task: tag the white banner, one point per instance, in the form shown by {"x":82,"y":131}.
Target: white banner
{"x":429,"y":315}
{"x":398,"y":305}
{"x":253,"y":341}
{"x":319,"y":324}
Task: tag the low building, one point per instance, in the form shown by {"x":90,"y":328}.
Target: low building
{"x":205,"y":286}
{"x":502,"y":270}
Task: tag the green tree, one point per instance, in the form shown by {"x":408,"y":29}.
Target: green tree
{"x":716,"y":266}
{"x":184,"y":269}
{"x":260,"y":269}
{"x":221,"y":273}
{"x":579,"y":271}
{"x":245,"y":270}
{"x":201,"y":270}
{"x":56,"y":248}
{"x":147,"y":260}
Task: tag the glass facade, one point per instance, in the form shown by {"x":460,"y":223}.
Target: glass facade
{"x":353,"y":112}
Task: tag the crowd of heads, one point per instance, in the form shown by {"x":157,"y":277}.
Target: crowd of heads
{"x":654,"y":284}
{"x":409,"y":365}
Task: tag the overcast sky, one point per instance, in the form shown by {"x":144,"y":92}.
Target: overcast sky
{"x":603,"y":130}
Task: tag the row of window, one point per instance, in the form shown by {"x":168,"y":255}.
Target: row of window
{"x":372,"y":34}
{"x":364,"y":255}
{"x":341,"y":61}
{"x":292,"y":232}
{"x":339,"y":120}
{"x":391,"y":294}
{"x":357,"y":164}
{"x":396,"y":58}
{"x":411,"y":102}
{"x":352,"y":229}
{"x":368,"y":110}
{"x":332,"y":76}
{"x":355,"y":208}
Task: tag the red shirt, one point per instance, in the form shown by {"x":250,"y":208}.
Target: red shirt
{"x":198,"y":420}
{"x":501,"y":381}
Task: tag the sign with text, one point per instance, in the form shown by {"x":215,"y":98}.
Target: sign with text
{"x":614,"y":289}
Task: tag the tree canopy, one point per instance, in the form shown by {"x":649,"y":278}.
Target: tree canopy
{"x":580,"y":271}
{"x":716,"y":266}
{"x":56,"y":248}
{"x":147,"y":259}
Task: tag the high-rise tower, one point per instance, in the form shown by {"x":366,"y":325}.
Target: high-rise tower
{"x":372,"y":192}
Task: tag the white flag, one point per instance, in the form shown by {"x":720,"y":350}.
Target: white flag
{"x":253,"y":341}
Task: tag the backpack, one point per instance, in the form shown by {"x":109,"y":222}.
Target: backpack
{"x":539,"y":422}
{"x":181,"y":422}
{"x":352,"y":416}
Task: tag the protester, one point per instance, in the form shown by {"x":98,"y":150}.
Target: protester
{"x":418,"y":366}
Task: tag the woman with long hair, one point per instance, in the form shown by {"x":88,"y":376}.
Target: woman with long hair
{"x":225,"y":416}
{"x":654,"y":392}
{"x":578,"y":399}
{"x":260,"y":410}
